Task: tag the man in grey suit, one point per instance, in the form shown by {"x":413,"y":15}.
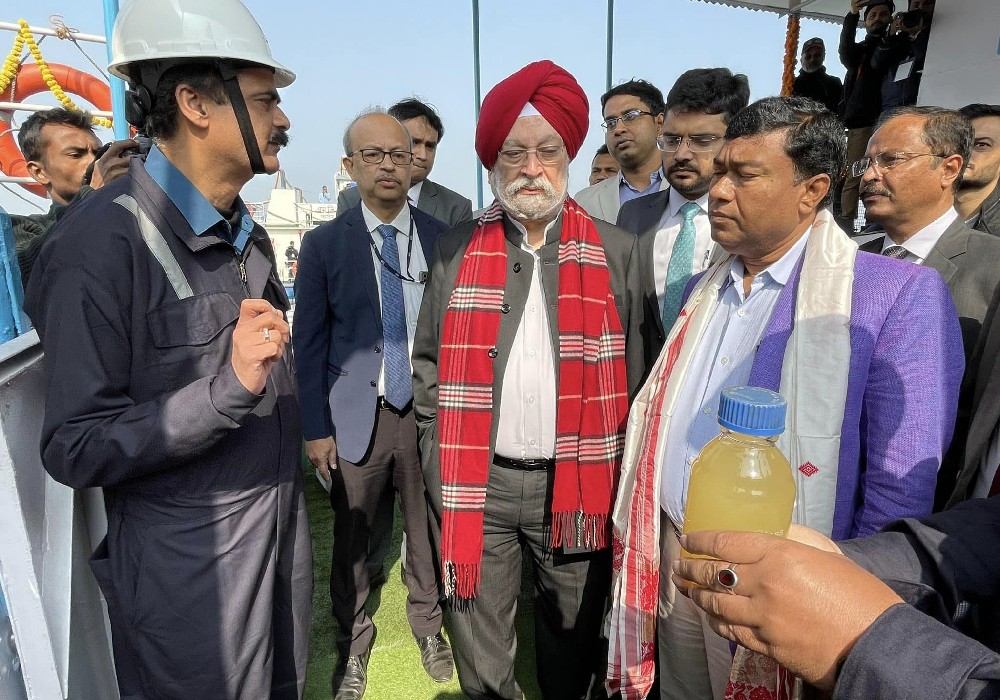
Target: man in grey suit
{"x":909,"y":176}
{"x":493,"y":357}
{"x":633,"y":118}
{"x":426,"y":130}
{"x":675,"y":236}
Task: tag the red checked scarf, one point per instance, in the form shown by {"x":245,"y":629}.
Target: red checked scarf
{"x":592,"y":401}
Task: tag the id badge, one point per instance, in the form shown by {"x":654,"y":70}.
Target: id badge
{"x":903,"y":71}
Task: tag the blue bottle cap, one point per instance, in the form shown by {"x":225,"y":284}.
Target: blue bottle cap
{"x":752,"y":411}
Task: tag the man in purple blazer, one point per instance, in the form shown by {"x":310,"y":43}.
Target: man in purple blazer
{"x":867,"y":351}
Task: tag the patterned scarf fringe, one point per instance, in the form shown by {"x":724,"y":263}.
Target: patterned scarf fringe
{"x":576,"y":529}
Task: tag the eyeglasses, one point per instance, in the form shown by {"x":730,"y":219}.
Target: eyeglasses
{"x":627,"y":118}
{"x":517,"y":156}
{"x":887,"y":160}
{"x":377,"y":155}
{"x":701,"y":143}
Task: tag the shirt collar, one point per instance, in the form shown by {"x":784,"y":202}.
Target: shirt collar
{"x":200,"y":215}
{"x":674,"y":203}
{"x":401,"y":222}
{"x":414,"y":192}
{"x":524,"y":232}
{"x":654,"y":180}
{"x":923,"y":241}
{"x":780,"y":271}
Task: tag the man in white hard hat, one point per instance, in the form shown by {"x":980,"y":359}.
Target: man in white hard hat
{"x":162,"y":319}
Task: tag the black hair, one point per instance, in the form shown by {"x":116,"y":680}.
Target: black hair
{"x":977,"y":110}
{"x":161,"y":121}
{"x":29,"y":136}
{"x":647,"y":93}
{"x":412,"y":108}
{"x":602,"y":150}
{"x":814,"y":136}
{"x":709,"y":90}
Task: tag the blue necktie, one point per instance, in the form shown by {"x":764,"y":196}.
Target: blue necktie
{"x":679,"y":267}
{"x":396,"y":362}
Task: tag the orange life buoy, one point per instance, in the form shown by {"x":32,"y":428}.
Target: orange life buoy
{"x":28,"y":82}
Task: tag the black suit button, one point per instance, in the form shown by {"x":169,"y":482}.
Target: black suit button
{"x":378,"y":349}
{"x":373,"y":383}
{"x":517,"y":267}
{"x":505,"y":308}
{"x":493,"y":352}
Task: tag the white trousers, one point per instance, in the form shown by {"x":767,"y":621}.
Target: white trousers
{"x":694,"y":661}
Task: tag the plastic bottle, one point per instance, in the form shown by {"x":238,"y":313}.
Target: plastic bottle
{"x":741,"y":480}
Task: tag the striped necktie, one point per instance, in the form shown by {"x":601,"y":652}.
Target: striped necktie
{"x":679,"y":267}
{"x":895,"y":251}
{"x":396,"y":360}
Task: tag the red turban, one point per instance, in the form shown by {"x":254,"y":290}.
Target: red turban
{"x":551,"y":90}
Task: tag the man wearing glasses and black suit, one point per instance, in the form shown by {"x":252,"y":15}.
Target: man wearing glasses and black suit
{"x":359,"y":287}
{"x":675,"y":237}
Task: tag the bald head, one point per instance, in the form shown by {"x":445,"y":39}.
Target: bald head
{"x":379,"y":159}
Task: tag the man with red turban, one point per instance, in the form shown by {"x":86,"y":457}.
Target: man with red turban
{"x":527,"y":349}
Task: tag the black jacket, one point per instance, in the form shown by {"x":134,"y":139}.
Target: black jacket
{"x":819,"y":86}
{"x":988,"y":220}
{"x":862,"y":101}
{"x":892,"y":53}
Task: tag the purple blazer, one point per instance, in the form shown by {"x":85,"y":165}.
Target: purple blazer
{"x":902,"y":392}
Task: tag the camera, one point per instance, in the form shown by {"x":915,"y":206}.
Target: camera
{"x":911,"y":19}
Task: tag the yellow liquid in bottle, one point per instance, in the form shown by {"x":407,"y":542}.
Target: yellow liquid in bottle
{"x":740,"y":482}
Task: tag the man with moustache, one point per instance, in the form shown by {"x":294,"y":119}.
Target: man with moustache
{"x":527,"y":349}
{"x":160,"y":310}
{"x":862,"y":90}
{"x":603,"y":166}
{"x":813,"y":81}
{"x":675,"y":237}
{"x":978,"y":197}
{"x":633,"y":118}
{"x":426,"y":130}
{"x":909,"y":178}
{"x":358,"y":290}
{"x":865,"y":349}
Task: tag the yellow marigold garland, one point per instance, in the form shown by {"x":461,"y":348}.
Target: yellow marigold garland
{"x":791,"y":52}
{"x":10,"y":67}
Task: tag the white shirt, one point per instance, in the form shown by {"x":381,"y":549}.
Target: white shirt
{"x":666,"y":235}
{"x":919,"y":245}
{"x":727,"y":352}
{"x":413,"y":292}
{"x":526,"y":428}
{"x":988,"y":466}
{"x":414,"y":193}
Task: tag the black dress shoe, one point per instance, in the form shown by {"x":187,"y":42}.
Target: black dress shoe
{"x":350,"y":677}
{"x":435,"y":655}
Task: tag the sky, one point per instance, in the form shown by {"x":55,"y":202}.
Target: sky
{"x":349,"y":56}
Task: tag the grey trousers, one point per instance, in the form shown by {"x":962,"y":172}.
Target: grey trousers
{"x":571,"y":592}
{"x":355,"y":495}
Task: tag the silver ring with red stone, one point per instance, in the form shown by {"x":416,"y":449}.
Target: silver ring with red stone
{"x":727,"y":578}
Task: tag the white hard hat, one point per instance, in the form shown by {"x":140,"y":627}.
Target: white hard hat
{"x":166,"y":30}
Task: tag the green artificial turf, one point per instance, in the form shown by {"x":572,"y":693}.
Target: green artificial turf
{"x":394,"y":671}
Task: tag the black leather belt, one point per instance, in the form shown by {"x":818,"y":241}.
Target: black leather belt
{"x":526,"y":465}
{"x":384,"y":405}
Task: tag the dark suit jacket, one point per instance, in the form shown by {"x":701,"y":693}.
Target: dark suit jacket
{"x":933,"y":563}
{"x":981,"y":394}
{"x":967,"y":261}
{"x":337,"y":334}
{"x":620,"y":248}
{"x":437,"y":200}
{"x":641,"y":216}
